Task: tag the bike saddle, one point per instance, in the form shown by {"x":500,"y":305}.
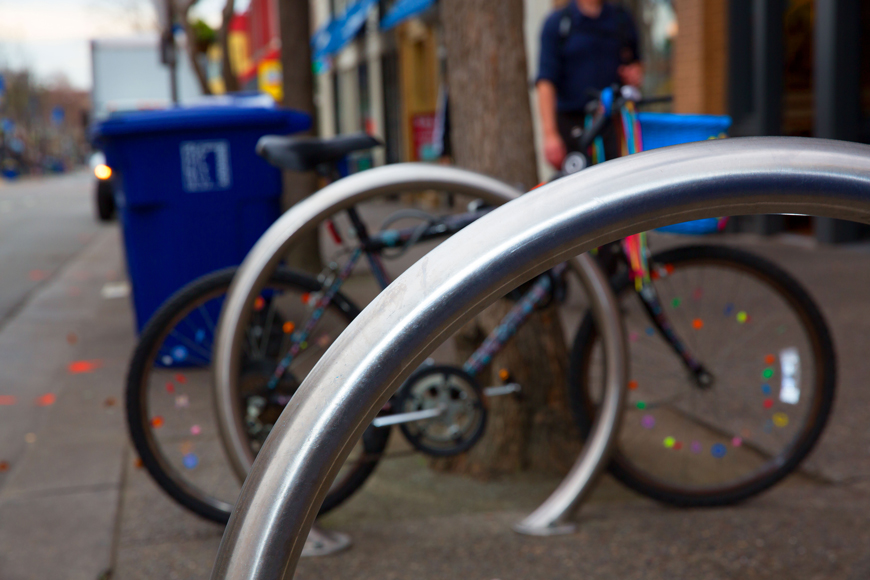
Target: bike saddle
{"x":306,"y":153}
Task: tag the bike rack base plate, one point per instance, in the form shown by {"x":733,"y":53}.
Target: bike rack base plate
{"x":560,"y":529}
{"x":321,"y":542}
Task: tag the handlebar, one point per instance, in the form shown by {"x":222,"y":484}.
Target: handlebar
{"x":603,"y":107}
{"x":623,"y":95}
{"x":441,"y":228}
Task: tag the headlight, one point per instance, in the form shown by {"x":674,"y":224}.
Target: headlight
{"x":103,"y":171}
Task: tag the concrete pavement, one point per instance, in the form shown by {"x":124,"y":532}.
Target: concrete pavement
{"x":410,"y":523}
{"x":73,"y":503}
{"x":63,"y":438}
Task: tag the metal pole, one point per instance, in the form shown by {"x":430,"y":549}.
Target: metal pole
{"x":433,"y":298}
{"x":169,"y":52}
{"x":837,"y":91}
{"x":767,"y":71}
{"x":307,"y":216}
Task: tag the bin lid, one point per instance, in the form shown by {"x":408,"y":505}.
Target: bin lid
{"x":201,"y":117}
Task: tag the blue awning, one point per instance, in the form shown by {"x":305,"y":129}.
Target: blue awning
{"x":338,"y":32}
{"x":324,"y":39}
{"x":402,"y":10}
{"x":352,"y":22}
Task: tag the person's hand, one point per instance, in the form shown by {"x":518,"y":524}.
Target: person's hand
{"x":554,"y":150}
{"x":631,"y":74}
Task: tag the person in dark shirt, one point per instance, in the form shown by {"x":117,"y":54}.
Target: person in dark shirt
{"x":589,"y":44}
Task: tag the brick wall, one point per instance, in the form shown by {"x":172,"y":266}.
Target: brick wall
{"x":700,"y":58}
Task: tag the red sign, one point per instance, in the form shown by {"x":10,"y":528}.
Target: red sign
{"x":422,"y":131}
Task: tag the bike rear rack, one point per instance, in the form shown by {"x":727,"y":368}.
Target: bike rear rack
{"x":470,"y":270}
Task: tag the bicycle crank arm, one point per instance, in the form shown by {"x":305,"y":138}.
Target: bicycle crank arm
{"x":502,"y":390}
{"x":408,"y":417}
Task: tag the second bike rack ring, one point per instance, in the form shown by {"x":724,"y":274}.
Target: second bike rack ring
{"x":307,"y":215}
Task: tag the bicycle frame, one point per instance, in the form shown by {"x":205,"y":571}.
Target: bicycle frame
{"x":371,"y":248}
{"x":635,"y":250}
{"x":307,"y":215}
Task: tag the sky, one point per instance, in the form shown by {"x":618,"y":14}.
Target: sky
{"x":50,"y":37}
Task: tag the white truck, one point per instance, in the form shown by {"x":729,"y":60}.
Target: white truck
{"x":128,"y":75}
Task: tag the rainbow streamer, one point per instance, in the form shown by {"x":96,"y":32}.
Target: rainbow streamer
{"x":634,"y":246}
{"x":597,"y":146}
{"x":636,"y":249}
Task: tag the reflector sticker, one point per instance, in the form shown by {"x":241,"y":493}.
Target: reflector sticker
{"x":790,"y":363}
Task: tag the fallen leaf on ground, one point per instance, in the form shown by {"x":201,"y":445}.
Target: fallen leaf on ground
{"x":46,"y":400}
{"x":84,"y":366}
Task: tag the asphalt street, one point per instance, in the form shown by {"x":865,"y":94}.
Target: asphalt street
{"x":43,"y":223}
{"x":60,"y":444}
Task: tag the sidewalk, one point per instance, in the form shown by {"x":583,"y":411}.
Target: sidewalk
{"x":74,"y":505}
{"x":60,"y":491}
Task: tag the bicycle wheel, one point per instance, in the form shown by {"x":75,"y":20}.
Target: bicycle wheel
{"x":170,"y":410}
{"x":690,"y":442}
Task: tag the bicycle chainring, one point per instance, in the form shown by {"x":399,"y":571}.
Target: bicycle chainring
{"x":457,"y":395}
{"x":262,"y":405}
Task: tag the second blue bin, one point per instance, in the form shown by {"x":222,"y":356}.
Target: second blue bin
{"x":664,"y":129}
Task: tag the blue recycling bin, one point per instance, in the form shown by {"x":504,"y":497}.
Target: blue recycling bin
{"x":192,"y":194}
{"x":665,"y":129}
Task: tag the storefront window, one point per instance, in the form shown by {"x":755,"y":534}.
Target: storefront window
{"x":798,"y":102}
{"x":865,"y":72}
{"x":657,"y":26}
{"x":363,"y":159}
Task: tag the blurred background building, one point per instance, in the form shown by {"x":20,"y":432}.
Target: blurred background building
{"x":778,"y":67}
{"x":42,"y":128}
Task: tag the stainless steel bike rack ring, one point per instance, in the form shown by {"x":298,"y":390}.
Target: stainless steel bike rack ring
{"x":345,"y":390}
{"x":550,"y":517}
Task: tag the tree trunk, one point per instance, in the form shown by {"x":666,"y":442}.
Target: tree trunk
{"x":193,"y":50}
{"x":231,"y":81}
{"x":298,"y":85}
{"x":533,"y":431}
{"x":492,"y":133}
{"x":491,"y":118}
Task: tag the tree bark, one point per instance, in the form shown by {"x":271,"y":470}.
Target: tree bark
{"x":298,"y":85}
{"x":231,"y":81}
{"x":534,"y":431}
{"x":490,"y":114}
{"x":492,"y":133}
{"x":192,"y":49}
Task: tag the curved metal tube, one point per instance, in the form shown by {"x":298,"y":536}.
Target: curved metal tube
{"x":307,"y":215}
{"x":344,"y":391}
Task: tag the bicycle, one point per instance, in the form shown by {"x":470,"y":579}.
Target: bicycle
{"x":711,"y":330}
{"x":296,"y":317}
{"x":413,"y":408}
